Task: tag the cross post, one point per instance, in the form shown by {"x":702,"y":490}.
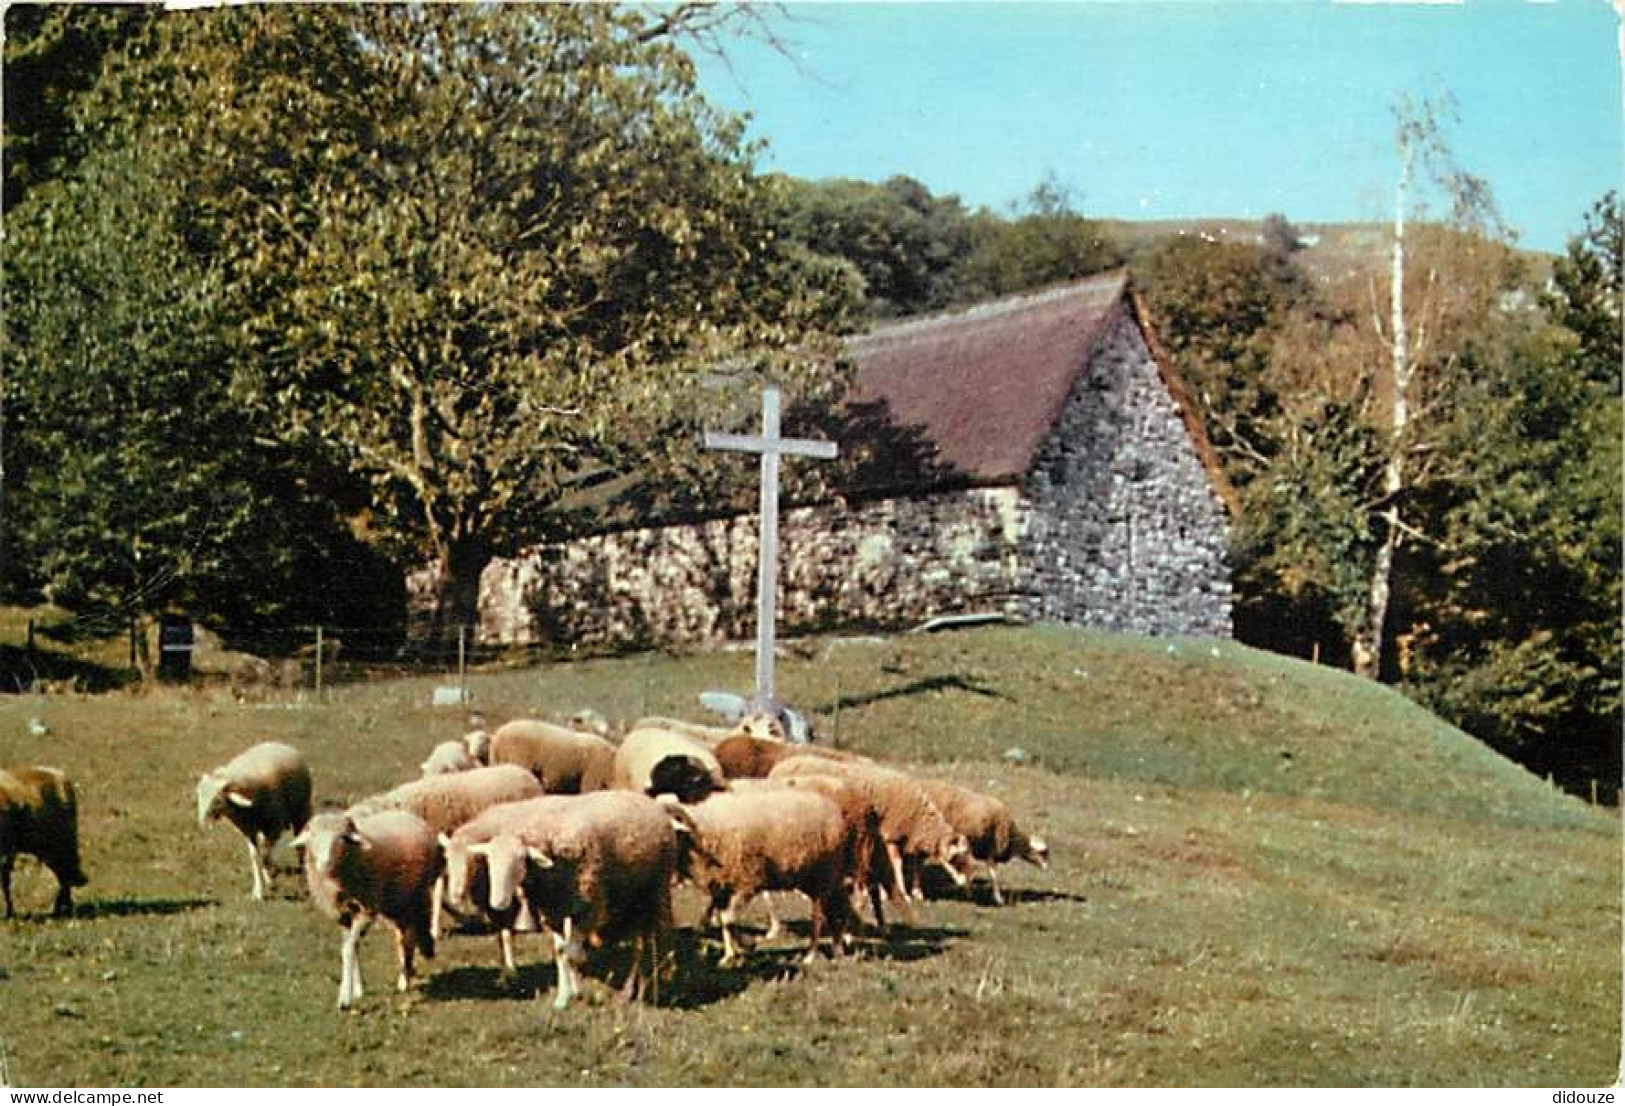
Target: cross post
{"x":771,"y":447}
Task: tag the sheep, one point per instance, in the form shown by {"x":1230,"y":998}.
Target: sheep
{"x":567,"y":762}
{"x":590,"y":721}
{"x":709,"y":735}
{"x":39,"y":815}
{"x":769,"y":839}
{"x":593,"y":867}
{"x":866,"y":864}
{"x":446,"y":802}
{"x":988,"y":826}
{"x":661,"y":761}
{"x":747,"y":755}
{"x":358,"y":867}
{"x":448,"y":757}
{"x":478,"y":743}
{"x":911,"y":826}
{"x":265,"y":792}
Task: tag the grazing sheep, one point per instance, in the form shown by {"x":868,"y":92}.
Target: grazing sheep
{"x":446,"y":802}
{"x":448,"y":757}
{"x":39,"y":815}
{"x":659,"y":762}
{"x":566,"y":761}
{"x":913,"y":829}
{"x":593,"y":867}
{"x":770,"y":839}
{"x":361,"y":867}
{"x":265,"y":792}
{"x":867,"y":865}
{"x":708,"y":735}
{"x":988,"y":826}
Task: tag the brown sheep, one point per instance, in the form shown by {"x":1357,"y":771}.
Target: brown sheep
{"x":359,"y":868}
{"x":770,"y":839}
{"x":750,"y":756}
{"x":988,"y":826}
{"x":39,"y":815}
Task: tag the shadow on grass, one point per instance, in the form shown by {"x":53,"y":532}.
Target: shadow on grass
{"x":918,"y":687}
{"x":471,"y":982}
{"x":138,"y":908}
{"x":979,"y":892}
{"x":22,"y":670}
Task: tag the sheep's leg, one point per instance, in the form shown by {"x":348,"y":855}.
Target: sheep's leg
{"x":64,"y":895}
{"x":899,"y":883}
{"x":732,"y":953}
{"x":505,"y":940}
{"x":405,"y":946}
{"x":255,"y":865}
{"x":349,"y":965}
{"x":565,"y":949}
{"x":993,"y":878}
{"x":775,"y":927}
{"x":437,"y":903}
{"x":7,"y":862}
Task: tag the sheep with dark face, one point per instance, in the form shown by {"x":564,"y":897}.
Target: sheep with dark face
{"x":566,"y":761}
{"x":39,"y":815}
{"x":594,"y":868}
{"x":265,"y":792}
{"x":661,"y":762}
{"x":358,"y":868}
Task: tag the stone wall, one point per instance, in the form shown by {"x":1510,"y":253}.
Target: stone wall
{"x":1127,"y":533}
{"x":883,"y":564}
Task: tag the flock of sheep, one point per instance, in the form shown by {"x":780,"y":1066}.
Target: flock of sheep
{"x":559,"y":828}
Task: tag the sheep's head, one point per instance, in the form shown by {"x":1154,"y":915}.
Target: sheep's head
{"x":1034,"y":850}
{"x":460,"y":866}
{"x":762,"y":725}
{"x":478,"y":743}
{"x":955,"y":858}
{"x":328,"y":839}
{"x":214,"y":794}
{"x":507,"y":859}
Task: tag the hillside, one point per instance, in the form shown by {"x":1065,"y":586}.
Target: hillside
{"x":1264,"y":873}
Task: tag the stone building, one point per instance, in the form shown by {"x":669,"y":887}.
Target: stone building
{"x":1040,"y":460}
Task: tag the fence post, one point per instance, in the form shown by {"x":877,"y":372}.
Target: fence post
{"x":318,"y":662}
{"x":462,"y":664}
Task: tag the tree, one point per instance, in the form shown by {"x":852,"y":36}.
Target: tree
{"x":491,"y":253}
{"x":1046,"y":241}
{"x":1421,"y":147}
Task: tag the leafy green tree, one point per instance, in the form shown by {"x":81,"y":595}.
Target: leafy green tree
{"x":489,"y":253}
{"x":905,"y":243}
{"x":1046,"y":241}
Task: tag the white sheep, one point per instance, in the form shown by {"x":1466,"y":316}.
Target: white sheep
{"x":911,"y":826}
{"x":566,"y":761}
{"x":478,"y":743}
{"x":593,"y":867}
{"x":446,"y":802}
{"x":988,"y":826}
{"x":39,"y":815}
{"x":265,"y":792}
{"x":770,"y":839}
{"x":361,"y":867}
{"x":448,"y":757}
{"x":659,"y":762}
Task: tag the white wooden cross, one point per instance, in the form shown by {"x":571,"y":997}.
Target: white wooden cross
{"x":771,"y":447}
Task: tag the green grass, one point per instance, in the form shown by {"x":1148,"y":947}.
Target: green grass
{"x":1265,"y":873}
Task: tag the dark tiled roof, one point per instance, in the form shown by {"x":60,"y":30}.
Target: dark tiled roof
{"x":975,"y":393}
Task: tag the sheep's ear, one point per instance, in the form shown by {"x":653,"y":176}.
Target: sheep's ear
{"x":481,"y":849}
{"x":445,"y":842}
{"x":365,"y":845}
{"x":682,"y":825}
{"x":538,"y":857}
{"x":237,"y":798}
{"x":301,"y":841}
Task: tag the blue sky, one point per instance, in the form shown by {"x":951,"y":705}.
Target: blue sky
{"x":1163,"y":110}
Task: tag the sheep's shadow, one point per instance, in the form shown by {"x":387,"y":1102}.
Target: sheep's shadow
{"x":91,"y":909}
{"x":979,"y":892}
{"x":485,"y":982}
{"x":905,"y":943}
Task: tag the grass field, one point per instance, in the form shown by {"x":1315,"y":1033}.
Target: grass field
{"x":1264,"y":873}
